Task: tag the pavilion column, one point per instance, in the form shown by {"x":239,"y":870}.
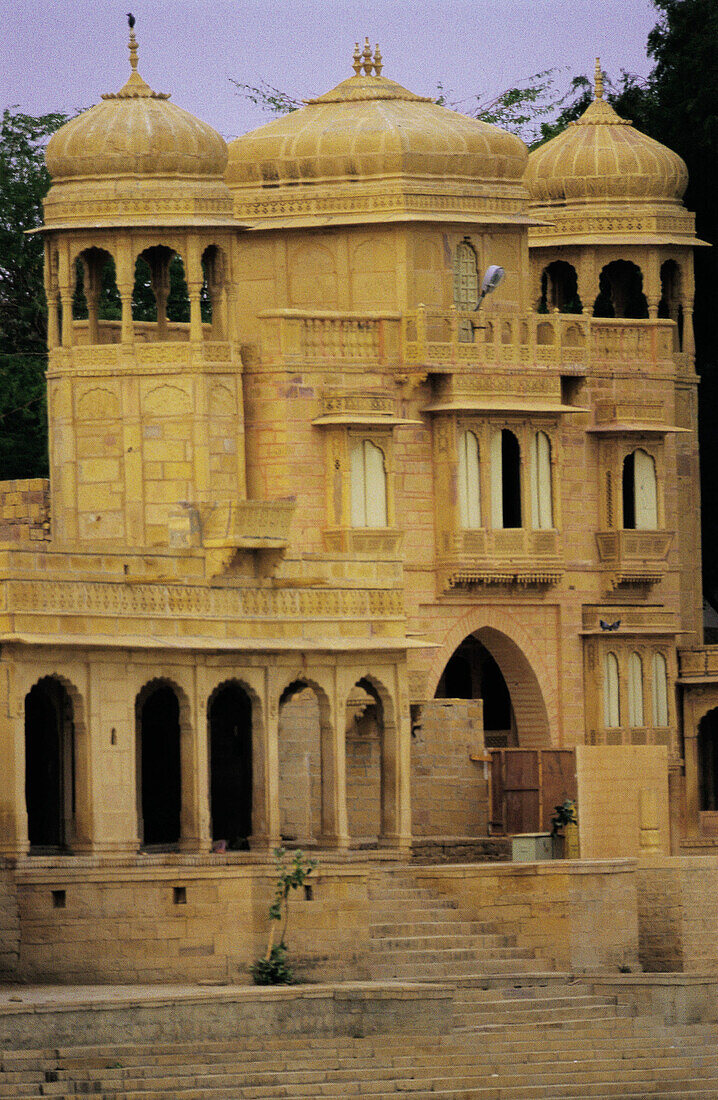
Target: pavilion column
{"x":689,"y":341}
{"x":13,"y":812}
{"x":652,"y":287}
{"x":194,"y":761}
{"x":92,"y":273}
{"x":335,"y":826}
{"x":195,"y":312}
{"x":266,"y":826}
{"x":396,"y":770}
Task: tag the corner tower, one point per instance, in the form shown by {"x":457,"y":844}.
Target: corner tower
{"x":144,"y":398}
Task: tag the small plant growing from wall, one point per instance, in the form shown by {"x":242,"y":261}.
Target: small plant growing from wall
{"x":274,"y":968}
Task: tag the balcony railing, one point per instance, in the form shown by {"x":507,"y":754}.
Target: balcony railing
{"x":299,"y":336}
{"x":634,"y":557}
{"x":434,"y":337}
{"x":515,"y":555}
{"x":170,"y":353}
{"x":248,"y":524}
{"x":698,"y":663}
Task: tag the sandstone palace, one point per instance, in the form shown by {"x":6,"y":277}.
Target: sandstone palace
{"x":328,"y":556}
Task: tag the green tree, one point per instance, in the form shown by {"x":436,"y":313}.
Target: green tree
{"x":24,"y":182}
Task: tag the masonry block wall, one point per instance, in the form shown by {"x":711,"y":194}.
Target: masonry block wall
{"x":678,"y":914}
{"x":449,"y":789}
{"x":610,"y":779}
{"x":25,"y":510}
{"x":9,"y":925}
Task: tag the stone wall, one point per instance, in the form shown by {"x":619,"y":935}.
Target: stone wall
{"x":449,"y":790}
{"x":25,"y":510}
{"x":578,"y":916}
{"x":610,"y":779}
{"x":300,"y":778}
{"x":9,"y":925}
{"x":678,"y":913}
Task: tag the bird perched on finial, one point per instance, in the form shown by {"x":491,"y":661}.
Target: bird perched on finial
{"x":130,"y":19}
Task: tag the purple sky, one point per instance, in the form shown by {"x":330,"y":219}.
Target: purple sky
{"x":61,"y":55}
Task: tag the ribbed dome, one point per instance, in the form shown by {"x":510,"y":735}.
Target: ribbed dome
{"x":370,"y":126}
{"x":133,"y":147}
{"x":135,"y":132}
{"x":601,"y":156}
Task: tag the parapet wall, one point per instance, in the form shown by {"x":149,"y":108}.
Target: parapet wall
{"x":449,"y":790}
{"x":9,"y":926}
{"x":25,"y":510}
{"x":678,"y":913}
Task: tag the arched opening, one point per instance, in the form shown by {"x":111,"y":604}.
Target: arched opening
{"x":301,"y":818}
{"x":368,"y":484}
{"x":364,"y":763}
{"x":159,"y":766}
{"x":472,"y":672}
{"x":620,"y":291}
{"x":640,"y":492}
{"x":96,"y":299}
{"x":505,"y":479}
{"x":469,"y":481}
{"x":541,"y":490}
{"x":160,"y":299}
{"x":670,"y":306}
{"x":611,"y":692}
{"x":212,"y":300}
{"x":229,"y":719}
{"x":559,"y":289}
{"x":635,"y":691}
{"x":708,"y":761}
{"x":466,"y":287}
{"x":49,"y":766}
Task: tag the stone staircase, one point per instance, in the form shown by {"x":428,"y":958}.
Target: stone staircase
{"x":417,"y":935}
{"x":517,"y":1033}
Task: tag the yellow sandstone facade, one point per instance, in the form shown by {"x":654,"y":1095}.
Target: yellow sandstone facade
{"x":308,"y":507}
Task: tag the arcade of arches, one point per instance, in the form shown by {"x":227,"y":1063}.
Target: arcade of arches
{"x":336,"y":782}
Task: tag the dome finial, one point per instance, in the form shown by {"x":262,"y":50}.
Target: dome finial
{"x":598,"y":80}
{"x":378,"y":66}
{"x":133,"y":41}
{"x":357,"y":59}
{"x":367,"y":59}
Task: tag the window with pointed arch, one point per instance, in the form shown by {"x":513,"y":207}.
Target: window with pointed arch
{"x":541,"y":494}
{"x":368,"y":484}
{"x":660,"y":690}
{"x":635,"y":691}
{"x":469,"y":481}
{"x":611,"y":692}
{"x":505,"y":479}
{"x":466,"y":286}
{"x":640,"y":492}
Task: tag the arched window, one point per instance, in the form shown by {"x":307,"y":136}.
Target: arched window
{"x":368,"y":485}
{"x":505,"y":479}
{"x":635,"y":691}
{"x":159,"y":765}
{"x":611,"y":699}
{"x":49,"y":765}
{"x":469,"y":482}
{"x":541,"y":502}
{"x":466,"y":287}
{"x":621,"y":291}
{"x":660,"y":690}
{"x":559,"y":289}
{"x":640,"y":492}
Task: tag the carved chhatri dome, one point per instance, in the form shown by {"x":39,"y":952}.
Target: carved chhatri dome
{"x":370,"y":129}
{"x":134,"y":136}
{"x":602,"y":157}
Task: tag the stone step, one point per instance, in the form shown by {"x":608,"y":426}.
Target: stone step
{"x":429,"y":927}
{"x":442,"y":940}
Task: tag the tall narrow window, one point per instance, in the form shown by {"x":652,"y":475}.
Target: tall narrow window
{"x":368,"y":485}
{"x":660,"y":690}
{"x":469,"y":484}
{"x":505,"y":479}
{"x":635,"y":691}
{"x":466,"y":287}
{"x":611,"y":701}
{"x":640,"y":493}
{"x":541,"y":503}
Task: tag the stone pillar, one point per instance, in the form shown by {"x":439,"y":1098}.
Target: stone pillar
{"x":13,"y":813}
{"x":265,"y":768}
{"x":335,"y":827}
{"x":92,"y":276}
{"x":652,"y":286}
{"x":689,"y":341}
{"x":125,"y":270}
{"x":195,"y":312}
{"x":194,"y":768}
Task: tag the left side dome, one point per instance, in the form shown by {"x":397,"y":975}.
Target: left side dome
{"x":133,"y":149}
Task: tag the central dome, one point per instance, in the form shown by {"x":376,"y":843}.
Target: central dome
{"x":368,"y":129}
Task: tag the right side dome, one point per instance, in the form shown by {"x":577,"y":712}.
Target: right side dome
{"x":602,"y":157}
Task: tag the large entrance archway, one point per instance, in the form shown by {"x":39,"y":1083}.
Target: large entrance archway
{"x":49,"y":765}
{"x":488,"y":665}
{"x":159,"y":765}
{"x":229,"y":716}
